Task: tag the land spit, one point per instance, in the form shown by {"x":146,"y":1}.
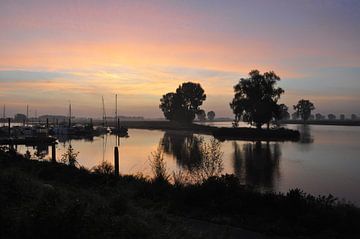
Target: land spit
{"x":222,"y":133}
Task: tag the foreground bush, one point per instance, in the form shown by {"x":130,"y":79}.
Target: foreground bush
{"x":44,"y":199}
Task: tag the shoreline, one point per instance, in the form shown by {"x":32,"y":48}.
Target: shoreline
{"x":221,"y":133}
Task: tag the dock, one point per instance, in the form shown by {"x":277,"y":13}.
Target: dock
{"x":29,"y":141}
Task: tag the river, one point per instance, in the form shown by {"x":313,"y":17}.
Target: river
{"x":325,"y":161}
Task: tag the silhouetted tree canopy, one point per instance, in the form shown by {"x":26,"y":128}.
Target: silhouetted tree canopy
{"x":256,"y":98}
{"x":303,"y":109}
{"x":294,"y":116}
{"x":183,"y":105}
{"x":282,"y":112}
{"x":211,"y":115}
{"x":201,"y":115}
{"x":319,"y":116}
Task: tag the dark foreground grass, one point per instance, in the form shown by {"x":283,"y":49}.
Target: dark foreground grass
{"x":51,"y":200}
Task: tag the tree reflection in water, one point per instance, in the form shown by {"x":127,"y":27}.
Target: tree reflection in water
{"x":257,"y":164}
{"x":305,"y":134}
{"x":185,"y":147}
{"x":198,"y":160}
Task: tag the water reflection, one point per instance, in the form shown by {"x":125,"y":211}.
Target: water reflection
{"x":41,"y":151}
{"x":254,"y":164}
{"x":67,"y":138}
{"x":197,"y":159}
{"x":185,"y":147}
{"x":257,"y":163}
{"x":328,"y":164}
{"x":305,"y":134}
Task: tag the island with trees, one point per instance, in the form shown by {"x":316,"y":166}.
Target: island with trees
{"x":256,"y":101}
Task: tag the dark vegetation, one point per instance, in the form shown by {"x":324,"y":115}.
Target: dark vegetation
{"x":303,"y":109}
{"x":183,"y":105}
{"x":211,"y":115}
{"x":279,"y":134}
{"x":223,"y":133}
{"x":56,"y":200}
{"x":256,"y":99}
{"x":201,"y":115}
{"x":47,"y":200}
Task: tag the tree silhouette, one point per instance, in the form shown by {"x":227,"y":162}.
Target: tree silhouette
{"x":256,"y":98}
{"x":170,"y":104}
{"x":319,"y":116}
{"x":201,"y":115}
{"x":282,"y":112}
{"x":211,"y":115}
{"x":183,"y":105}
{"x":303,"y":109}
{"x":294,"y":116}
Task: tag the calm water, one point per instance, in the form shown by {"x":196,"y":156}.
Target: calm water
{"x":326,"y":160}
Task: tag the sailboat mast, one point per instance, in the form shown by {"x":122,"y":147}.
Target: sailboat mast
{"x":104,"y":113}
{"x":4,"y":115}
{"x":116,"y":113}
{"x":27,"y":115}
{"x":70,"y":114}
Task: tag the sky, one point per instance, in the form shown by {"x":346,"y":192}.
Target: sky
{"x":56,"y":52}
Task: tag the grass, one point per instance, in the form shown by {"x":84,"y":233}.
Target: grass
{"x":41,"y":199}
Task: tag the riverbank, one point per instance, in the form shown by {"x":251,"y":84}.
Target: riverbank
{"x":44,"y":199}
{"x":222,"y":133}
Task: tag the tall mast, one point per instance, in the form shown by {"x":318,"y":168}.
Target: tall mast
{"x":70,"y":114}
{"x":27,"y":114}
{"x":4,"y":115}
{"x":103,"y":108}
{"x":116,"y":113}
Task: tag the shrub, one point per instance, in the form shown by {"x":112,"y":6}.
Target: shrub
{"x":70,"y":157}
{"x":158,"y":166}
{"x":105,"y":168}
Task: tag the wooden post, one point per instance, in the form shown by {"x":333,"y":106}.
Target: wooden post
{"x":53,"y":152}
{"x":47,"y":123}
{"x":118,"y":124}
{"x":116,"y":161}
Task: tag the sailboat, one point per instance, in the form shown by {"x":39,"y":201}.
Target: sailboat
{"x":103,"y":129}
{"x":118,"y":129}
